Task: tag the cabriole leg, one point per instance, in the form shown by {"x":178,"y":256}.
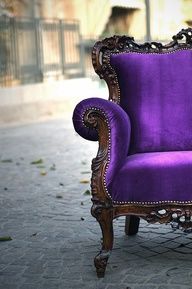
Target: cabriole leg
{"x":131,"y":225}
{"x":105,"y":219}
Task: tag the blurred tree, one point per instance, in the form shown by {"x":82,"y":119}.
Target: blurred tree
{"x":11,"y":7}
{"x":187,"y":11}
{"x":8,"y":9}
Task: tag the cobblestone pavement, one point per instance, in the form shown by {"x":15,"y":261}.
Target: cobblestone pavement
{"x":54,"y":238}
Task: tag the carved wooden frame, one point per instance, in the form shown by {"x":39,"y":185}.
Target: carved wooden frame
{"x":103,"y":208}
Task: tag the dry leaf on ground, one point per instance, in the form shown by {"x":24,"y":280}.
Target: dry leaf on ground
{"x":7,"y":161}
{"x":37,"y":162}
{"x":87,"y":192}
{"x":5,"y":238}
{"x":43,"y":173}
{"x":84,"y":181}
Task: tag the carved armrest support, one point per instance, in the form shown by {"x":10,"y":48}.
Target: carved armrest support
{"x":102,"y":120}
{"x":96,"y":119}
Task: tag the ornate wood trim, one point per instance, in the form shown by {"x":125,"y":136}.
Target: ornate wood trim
{"x":180,"y":216}
{"x":101,"y":53}
{"x":117,"y":44}
{"x":96,"y":119}
{"x":102,"y":208}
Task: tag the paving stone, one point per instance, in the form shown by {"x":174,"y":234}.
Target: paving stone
{"x":171,"y":245}
{"x":135,"y":279}
{"x":159,"y":279}
{"x":159,"y":249}
{"x":183,"y":250}
{"x":171,"y":287}
{"x":34,"y":269}
{"x":181,"y":280}
{"x":183,"y":240}
{"x":122,"y":286}
{"x":146,"y":287}
{"x":9,"y":286}
{"x":12,"y":270}
{"x":52,"y":247}
{"x":30,"y":286}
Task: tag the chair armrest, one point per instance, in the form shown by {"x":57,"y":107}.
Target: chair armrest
{"x":103,"y":120}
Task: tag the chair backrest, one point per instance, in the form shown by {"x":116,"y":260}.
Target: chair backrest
{"x":153,"y":83}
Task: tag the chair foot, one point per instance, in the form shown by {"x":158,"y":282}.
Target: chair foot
{"x":105,"y":218}
{"x":131,"y":225}
{"x":100,"y":262}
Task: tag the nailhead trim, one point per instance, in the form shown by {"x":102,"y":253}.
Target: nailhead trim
{"x":117,"y":81}
{"x":151,"y":52}
{"x":107,"y":166}
{"x":153,"y":202}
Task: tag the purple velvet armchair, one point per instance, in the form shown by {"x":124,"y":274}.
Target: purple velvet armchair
{"x":143,"y":168}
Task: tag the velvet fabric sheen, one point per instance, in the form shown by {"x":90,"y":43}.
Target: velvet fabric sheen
{"x":156,"y":92}
{"x":150,"y":133}
{"x":153,"y":177}
{"x":119,"y":130}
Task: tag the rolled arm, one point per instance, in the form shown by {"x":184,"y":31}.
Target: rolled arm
{"x":118,"y":131}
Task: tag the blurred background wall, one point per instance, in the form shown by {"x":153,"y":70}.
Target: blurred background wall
{"x":45,"y":47}
{"x":43,"y":39}
{"x":99,"y":17}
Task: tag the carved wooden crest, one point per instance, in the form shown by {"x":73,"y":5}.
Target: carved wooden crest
{"x":103,"y":49}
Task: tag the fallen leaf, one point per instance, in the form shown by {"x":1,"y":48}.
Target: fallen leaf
{"x":34,"y":234}
{"x":53,"y":167}
{"x":61,"y":184}
{"x":7,"y":161}
{"x":82,"y":219}
{"x":83,"y":162}
{"x":82,"y":204}
{"x":43,"y":173}
{"x":87,"y":192}
{"x":59,"y":196}
{"x":37,"y":162}
{"x":84,"y":182}
{"x":83,"y":173}
{"x":5,"y":189}
{"x":5,"y":238}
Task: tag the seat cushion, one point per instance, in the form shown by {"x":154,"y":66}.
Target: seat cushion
{"x":154,"y":177}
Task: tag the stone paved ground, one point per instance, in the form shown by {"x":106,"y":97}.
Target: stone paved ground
{"x":54,"y":236}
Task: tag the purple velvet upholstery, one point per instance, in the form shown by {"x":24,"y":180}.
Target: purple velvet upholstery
{"x":152,"y":177}
{"x":119,"y":130}
{"x":156,"y":92}
{"x":155,"y":163}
